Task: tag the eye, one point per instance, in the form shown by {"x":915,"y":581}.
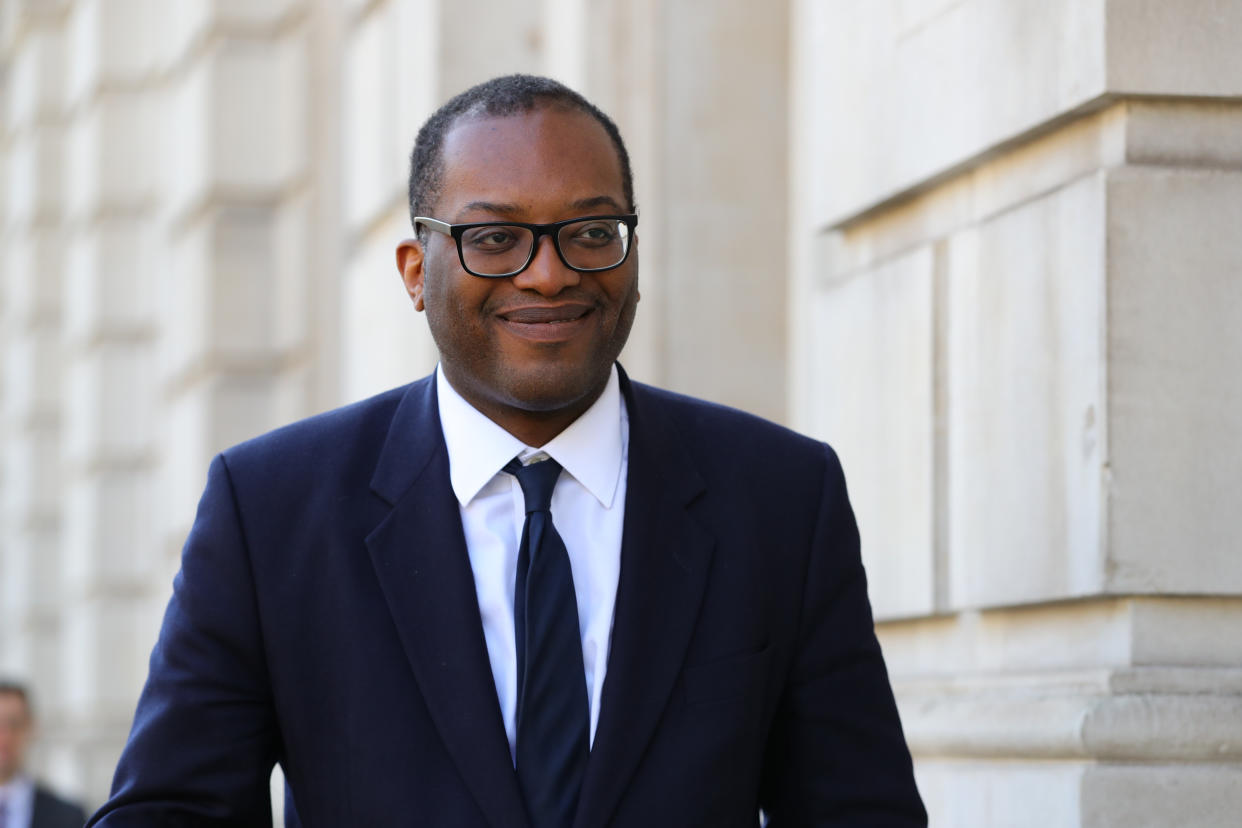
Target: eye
{"x":490,"y":239}
{"x":594,"y":233}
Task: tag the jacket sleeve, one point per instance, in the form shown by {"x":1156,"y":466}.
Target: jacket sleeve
{"x":836,"y":755}
{"x":204,"y":738}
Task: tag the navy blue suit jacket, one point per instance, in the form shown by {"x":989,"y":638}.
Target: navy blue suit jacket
{"x":50,"y":811}
{"x":325,"y":618}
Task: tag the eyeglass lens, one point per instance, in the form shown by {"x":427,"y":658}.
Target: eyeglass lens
{"x":501,"y":249}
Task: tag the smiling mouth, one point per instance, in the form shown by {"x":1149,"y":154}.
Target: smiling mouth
{"x":543,"y":315}
{"x":547,"y":323}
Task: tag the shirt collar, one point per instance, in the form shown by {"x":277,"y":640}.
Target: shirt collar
{"x":592,"y":448}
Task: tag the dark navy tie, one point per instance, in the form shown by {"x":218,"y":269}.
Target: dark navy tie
{"x":552,"y":719}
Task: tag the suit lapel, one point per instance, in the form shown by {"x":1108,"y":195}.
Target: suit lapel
{"x":665,"y":555}
{"x":419,"y":555}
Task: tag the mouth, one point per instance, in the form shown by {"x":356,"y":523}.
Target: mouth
{"x":547,"y":323}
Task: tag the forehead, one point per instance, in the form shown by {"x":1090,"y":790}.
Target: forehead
{"x":540,"y":162}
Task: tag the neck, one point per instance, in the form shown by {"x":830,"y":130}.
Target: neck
{"x":537,"y":428}
{"x":533,"y":427}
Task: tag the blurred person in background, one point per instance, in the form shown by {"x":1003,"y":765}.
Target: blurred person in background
{"x":24,"y":803}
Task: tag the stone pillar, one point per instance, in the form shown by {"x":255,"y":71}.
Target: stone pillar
{"x":235,"y":320}
{"x":32,"y":412}
{"x":108,"y":342}
{"x":237,"y":355}
{"x":1016,"y":315}
{"x":160,"y":296}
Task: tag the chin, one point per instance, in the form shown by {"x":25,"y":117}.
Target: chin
{"x":554,"y":388}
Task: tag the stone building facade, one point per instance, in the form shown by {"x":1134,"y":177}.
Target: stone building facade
{"x":990,"y":249}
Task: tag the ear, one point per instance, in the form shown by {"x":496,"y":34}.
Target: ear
{"x":410,"y":266}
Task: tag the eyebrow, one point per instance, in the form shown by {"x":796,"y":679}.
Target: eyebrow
{"x":596,"y":201}
{"x":513,"y":209}
{"x":490,"y":207}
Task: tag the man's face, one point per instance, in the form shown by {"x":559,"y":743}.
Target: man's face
{"x":541,"y":342}
{"x":15,"y":729}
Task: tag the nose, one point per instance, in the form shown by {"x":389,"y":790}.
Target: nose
{"x":546,"y":274}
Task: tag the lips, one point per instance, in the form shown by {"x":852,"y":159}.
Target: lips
{"x":547,"y":323}
{"x":542,"y":314}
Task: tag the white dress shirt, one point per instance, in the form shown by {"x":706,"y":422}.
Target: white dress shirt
{"x":588,"y":507}
{"x":18,"y":798}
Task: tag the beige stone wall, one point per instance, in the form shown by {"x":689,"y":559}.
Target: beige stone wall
{"x":1017,"y":259}
{"x":987,"y":248}
{"x":165,"y":294}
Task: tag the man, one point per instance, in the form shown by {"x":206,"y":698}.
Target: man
{"x":524,"y":591}
{"x":23,"y":802}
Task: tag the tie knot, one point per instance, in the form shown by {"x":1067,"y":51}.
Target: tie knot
{"x":537,"y":481}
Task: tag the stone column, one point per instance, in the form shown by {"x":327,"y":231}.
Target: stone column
{"x":32,"y":412}
{"x":189,"y":275}
{"x":235,"y":318}
{"x":1017,"y":315}
{"x":108,"y":341}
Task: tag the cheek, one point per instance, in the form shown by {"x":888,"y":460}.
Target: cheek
{"x":445,"y":294}
{"x":456,"y":307}
{"x":623,"y":294}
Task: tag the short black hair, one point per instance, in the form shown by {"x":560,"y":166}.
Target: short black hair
{"x":9,"y":687}
{"x":498,"y":97}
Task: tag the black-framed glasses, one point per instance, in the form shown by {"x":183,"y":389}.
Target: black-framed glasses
{"x":496,"y":249}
